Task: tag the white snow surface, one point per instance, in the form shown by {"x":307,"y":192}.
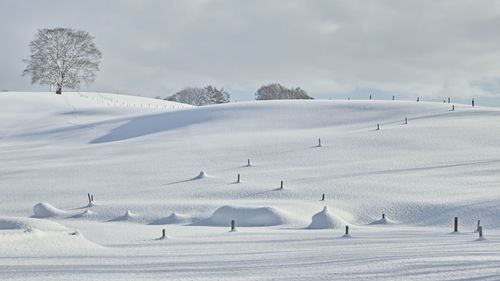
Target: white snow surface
{"x":141,"y":154}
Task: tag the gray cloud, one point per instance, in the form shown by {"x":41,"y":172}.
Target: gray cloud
{"x":431,"y":49}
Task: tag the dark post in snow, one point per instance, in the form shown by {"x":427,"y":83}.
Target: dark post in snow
{"x":472,"y":102}
{"x":449,"y":99}
{"x":480,"y":230}
{"x":238,"y":181}
{"x":323,"y":197}
{"x":163,"y":235}
{"x":478,"y":224}
{"x":378,"y":126}
{"x":90,"y":200}
{"x":232,"y":225}
{"x":248,"y":162}
{"x":455,"y":224}
{"x":453,"y":107}
{"x":319,"y":142}
{"x":392,"y":97}
{"x":281,"y":186}
{"x":346,"y":230}
{"x":406,"y":120}
{"x":418,"y":99}
{"x":383,"y":216}
{"x":370,"y":97}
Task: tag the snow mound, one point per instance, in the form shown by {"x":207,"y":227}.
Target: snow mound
{"x":13,"y":223}
{"x":36,"y":243}
{"x":83,"y":214}
{"x":201,"y":175}
{"x":325,"y":219}
{"x":383,"y":220}
{"x":128,"y":216}
{"x":46,"y":210}
{"x":174,"y":218}
{"x":245,"y":216}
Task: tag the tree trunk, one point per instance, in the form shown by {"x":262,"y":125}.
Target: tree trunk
{"x":59,"y":89}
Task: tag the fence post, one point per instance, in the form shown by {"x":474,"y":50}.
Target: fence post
{"x":455,"y":224}
{"x":480,"y":230}
{"x":232,"y":225}
{"x":238,"y":181}
{"x":346,"y":230}
{"x":323,"y":197}
{"x":281,"y":186}
{"x":163,"y":235}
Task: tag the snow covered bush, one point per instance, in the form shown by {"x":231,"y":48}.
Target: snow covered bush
{"x":278,"y":92}
{"x":200,"y":96}
{"x":215,"y":95}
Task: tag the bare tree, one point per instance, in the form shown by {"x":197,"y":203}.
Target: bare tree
{"x":278,"y":92}
{"x":62,"y":57}
{"x":200,"y":96}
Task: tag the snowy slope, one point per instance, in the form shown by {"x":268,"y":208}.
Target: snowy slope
{"x":144,"y":155}
{"x":56,"y":149}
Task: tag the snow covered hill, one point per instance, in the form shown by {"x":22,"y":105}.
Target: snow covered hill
{"x":142,"y":157}
{"x":441,"y":164}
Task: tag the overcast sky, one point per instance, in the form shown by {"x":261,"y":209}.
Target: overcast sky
{"x":332,"y":49}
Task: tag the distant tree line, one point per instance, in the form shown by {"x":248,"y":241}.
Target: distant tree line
{"x":200,"y":96}
{"x":213,"y":95}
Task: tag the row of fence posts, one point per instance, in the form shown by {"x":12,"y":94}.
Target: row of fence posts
{"x":473,"y":102}
{"x":479,"y":228}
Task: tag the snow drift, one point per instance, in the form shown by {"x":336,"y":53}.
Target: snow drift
{"x":174,"y":218}
{"x":382,"y":221}
{"x":15,"y":223}
{"x":200,"y":176}
{"x":246,"y":216}
{"x":46,"y":210}
{"x":325,"y":219}
{"x":38,"y":237}
{"x":84,"y":214}
{"x":128,"y":216}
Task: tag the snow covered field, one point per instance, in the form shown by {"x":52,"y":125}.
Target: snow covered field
{"x":142,"y":160}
